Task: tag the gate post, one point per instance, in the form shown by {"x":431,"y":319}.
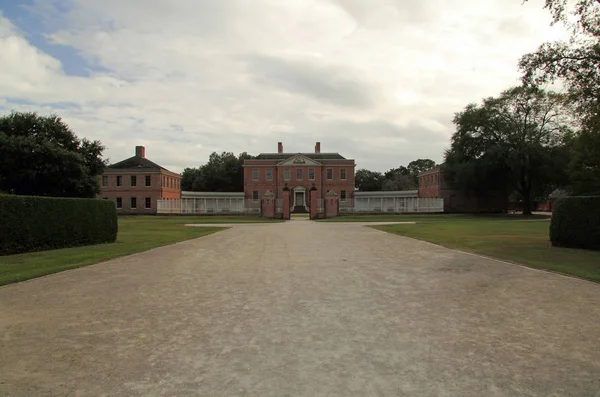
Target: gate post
{"x":313,"y":203}
{"x":332,"y":205}
{"x":268,"y":205}
{"x":286,"y":202}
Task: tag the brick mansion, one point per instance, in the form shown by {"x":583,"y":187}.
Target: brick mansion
{"x":299,"y":172}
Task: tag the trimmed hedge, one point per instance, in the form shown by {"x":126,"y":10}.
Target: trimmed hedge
{"x":30,"y":223}
{"x":576,"y":222}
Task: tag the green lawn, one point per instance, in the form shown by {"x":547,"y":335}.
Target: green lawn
{"x":512,"y":238}
{"x":136,"y":234}
{"x":424,"y":217}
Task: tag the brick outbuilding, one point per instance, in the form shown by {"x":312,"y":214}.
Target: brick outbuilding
{"x":135,"y":184}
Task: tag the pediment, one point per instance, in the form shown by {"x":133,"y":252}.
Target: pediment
{"x":299,"y":160}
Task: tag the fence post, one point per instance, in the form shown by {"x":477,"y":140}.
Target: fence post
{"x":332,"y":205}
{"x":286,"y":202}
{"x":313,"y":203}
{"x":268,"y":205}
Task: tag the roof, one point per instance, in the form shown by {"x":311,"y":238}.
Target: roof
{"x":136,"y":162}
{"x":387,"y":194}
{"x":189,"y":194}
{"x":313,"y":156}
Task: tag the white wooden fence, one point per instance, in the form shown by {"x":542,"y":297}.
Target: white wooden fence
{"x":238,"y":205}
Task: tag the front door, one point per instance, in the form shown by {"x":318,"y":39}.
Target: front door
{"x":299,"y":198}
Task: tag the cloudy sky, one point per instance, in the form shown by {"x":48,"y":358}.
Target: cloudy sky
{"x":377,"y":80}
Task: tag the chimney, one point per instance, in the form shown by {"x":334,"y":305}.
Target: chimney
{"x":140,"y":151}
{"x":318,"y":147}
{"x":279,"y":147}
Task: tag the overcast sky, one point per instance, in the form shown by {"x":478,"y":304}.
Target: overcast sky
{"x":377,"y":80}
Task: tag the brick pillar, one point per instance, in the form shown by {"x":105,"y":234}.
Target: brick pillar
{"x":286,"y":203}
{"x":268,"y":205}
{"x":313,"y":203}
{"x":332,"y":205}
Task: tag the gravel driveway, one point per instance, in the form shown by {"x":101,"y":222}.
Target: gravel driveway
{"x":300,"y":309}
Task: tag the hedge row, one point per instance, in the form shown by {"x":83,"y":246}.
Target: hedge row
{"x":40,"y":223}
{"x":576,"y":222}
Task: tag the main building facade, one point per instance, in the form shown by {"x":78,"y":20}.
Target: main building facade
{"x":299,"y":172}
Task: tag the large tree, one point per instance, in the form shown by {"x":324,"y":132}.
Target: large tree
{"x":223,"y":172}
{"x":42,"y":156}
{"x":513,"y":141}
{"x":369,"y":181}
{"x":575,"y":65}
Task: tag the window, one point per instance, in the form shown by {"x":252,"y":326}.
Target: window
{"x":119,"y":181}
{"x":287,"y":175}
{"x":311,"y":174}
{"x":133,"y":203}
{"x":329,"y":174}
{"x":269,"y":176}
{"x":343,"y":195}
{"x":148,"y":202}
{"x":133,"y":181}
{"x":119,"y":202}
{"x":104,"y":180}
{"x":255,"y":195}
{"x":299,"y":174}
{"x":148,"y":180}
{"x":342,"y":174}
{"x":255,"y":175}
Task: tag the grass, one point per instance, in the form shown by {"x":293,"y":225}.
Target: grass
{"x":424,"y":218}
{"x":136,"y":234}
{"x":511,"y":238}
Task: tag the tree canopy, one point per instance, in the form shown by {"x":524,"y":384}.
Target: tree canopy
{"x":515,"y":141}
{"x":400,"y":178}
{"x":575,"y":64}
{"x":41,"y":156}
{"x":223,"y":172}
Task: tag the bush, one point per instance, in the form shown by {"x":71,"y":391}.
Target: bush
{"x":576,"y":222}
{"x":30,"y":223}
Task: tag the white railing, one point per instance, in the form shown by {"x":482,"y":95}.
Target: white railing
{"x":203,"y":206}
{"x":394,"y":205}
{"x":207,"y":206}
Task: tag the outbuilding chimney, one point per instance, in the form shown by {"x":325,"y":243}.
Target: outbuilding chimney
{"x":279,"y":147}
{"x":318,"y":147}
{"x":140,"y":151}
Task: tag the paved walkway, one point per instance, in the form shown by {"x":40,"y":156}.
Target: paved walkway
{"x":300,"y":309}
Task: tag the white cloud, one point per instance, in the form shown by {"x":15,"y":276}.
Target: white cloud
{"x":377,"y":81}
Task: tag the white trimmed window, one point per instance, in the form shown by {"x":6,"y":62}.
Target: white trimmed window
{"x":119,"y":181}
{"x":104,"y":180}
{"x":342,"y":174}
{"x":329,"y":173}
{"x":255,"y":195}
{"x":287,"y":175}
{"x":269,"y":175}
{"x":255,"y":175}
{"x":133,"y":202}
{"x":311,"y":174}
{"x":148,"y":202}
{"x":343,"y":195}
{"x":299,"y":174}
{"x":119,"y":202}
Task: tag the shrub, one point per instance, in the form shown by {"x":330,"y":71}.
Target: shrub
{"x":30,"y":223}
{"x":576,"y":222}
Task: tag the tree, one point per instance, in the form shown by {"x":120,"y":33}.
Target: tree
{"x":369,"y":181}
{"x":41,"y":156}
{"x":417,"y":166}
{"x":398,"y":179}
{"x":223,"y":172}
{"x":575,"y":64}
{"x":513,"y":141}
